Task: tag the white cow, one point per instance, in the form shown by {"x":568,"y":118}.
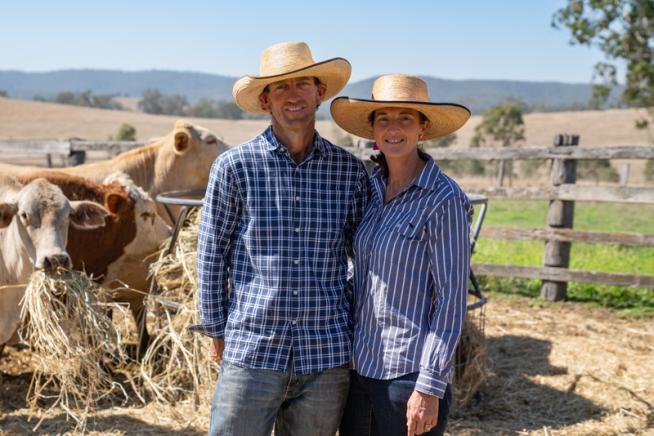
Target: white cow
{"x":34,"y":221}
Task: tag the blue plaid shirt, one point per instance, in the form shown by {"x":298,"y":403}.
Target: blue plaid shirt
{"x":411,"y":268}
{"x":273,"y":245}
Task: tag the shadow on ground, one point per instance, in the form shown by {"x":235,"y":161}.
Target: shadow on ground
{"x":115,"y":424}
{"x":510,"y":402}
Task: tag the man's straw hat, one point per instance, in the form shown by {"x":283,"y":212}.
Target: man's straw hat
{"x":398,"y":90}
{"x":289,"y":60}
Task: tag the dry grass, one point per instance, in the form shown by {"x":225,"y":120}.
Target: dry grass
{"x":558,"y":369}
{"x":74,"y":343}
{"x":22,"y":119}
{"x":563,"y":369}
{"x":176,"y":366}
{"x":470,"y":368}
{"x":31,"y":120}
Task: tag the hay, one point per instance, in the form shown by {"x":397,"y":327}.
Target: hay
{"x":176,"y":365}
{"x":74,"y":343}
{"x":470,"y":367}
{"x":175,"y":273}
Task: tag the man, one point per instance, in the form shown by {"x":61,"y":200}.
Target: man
{"x":277,"y":225}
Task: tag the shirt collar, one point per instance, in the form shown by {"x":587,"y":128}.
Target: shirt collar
{"x":272,"y":143}
{"x":427,"y":179}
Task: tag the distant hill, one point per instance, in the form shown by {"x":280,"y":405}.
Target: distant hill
{"x":124,"y":83}
{"x":479,"y":95}
{"x":476,"y":94}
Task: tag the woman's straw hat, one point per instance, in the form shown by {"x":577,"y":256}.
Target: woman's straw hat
{"x":289,"y":60}
{"x":398,"y":90}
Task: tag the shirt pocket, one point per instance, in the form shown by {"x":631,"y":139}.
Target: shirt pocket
{"x":413,"y":229}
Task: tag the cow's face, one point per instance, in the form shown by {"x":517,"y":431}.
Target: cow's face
{"x":151,"y":229}
{"x":42,"y":214}
{"x":194,"y":148}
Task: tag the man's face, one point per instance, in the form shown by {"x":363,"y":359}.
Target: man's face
{"x":293,"y":102}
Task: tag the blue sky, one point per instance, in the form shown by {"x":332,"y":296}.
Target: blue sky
{"x":462,"y":39}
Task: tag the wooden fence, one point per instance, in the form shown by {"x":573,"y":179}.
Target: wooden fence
{"x":562,"y":194}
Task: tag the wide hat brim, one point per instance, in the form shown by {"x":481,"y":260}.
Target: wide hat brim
{"x":333,"y":73}
{"x":353,"y":115}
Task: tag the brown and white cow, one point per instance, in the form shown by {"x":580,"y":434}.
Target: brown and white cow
{"x":34,"y":223}
{"x":117,"y":255}
{"x":179,"y":161}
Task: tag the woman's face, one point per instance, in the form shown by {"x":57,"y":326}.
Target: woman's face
{"x":398,"y":130}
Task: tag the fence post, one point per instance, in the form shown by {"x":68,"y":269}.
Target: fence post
{"x":560,"y":215}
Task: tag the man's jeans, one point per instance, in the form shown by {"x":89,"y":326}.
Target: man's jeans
{"x":247,"y":402}
{"x":378,"y":407}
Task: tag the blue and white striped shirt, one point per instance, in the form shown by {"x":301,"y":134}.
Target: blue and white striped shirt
{"x":411,"y":267}
{"x":272,"y":254}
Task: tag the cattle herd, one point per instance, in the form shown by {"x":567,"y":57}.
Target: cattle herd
{"x":100,"y":218}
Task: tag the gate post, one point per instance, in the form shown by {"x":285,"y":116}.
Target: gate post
{"x":560,"y":216}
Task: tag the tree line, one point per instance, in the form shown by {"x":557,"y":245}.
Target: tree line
{"x":84,"y":98}
{"x":152,"y":102}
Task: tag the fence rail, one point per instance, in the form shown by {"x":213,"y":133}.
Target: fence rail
{"x":572,"y":192}
{"x":564,"y":275}
{"x":568,"y":235}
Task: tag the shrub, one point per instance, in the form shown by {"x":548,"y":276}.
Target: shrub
{"x":126,"y":132}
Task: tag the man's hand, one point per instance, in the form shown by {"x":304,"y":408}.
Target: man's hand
{"x":421,"y":413}
{"x":217,"y":348}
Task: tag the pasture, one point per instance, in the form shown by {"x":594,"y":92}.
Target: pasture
{"x":555,"y":368}
{"x":603,"y":217}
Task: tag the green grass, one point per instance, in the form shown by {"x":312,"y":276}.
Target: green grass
{"x":599,"y":217}
{"x":604,"y":217}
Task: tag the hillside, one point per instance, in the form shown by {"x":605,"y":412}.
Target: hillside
{"x":31,"y":120}
{"x":477,"y":94}
{"x":26,"y":119}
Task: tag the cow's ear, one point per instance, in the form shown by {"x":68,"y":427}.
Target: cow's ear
{"x":87,"y":215}
{"x":7,"y":212}
{"x":113,"y":201}
{"x":182,"y":141}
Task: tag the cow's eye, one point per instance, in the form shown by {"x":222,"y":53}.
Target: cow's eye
{"x":24,"y":218}
{"x":211,"y":140}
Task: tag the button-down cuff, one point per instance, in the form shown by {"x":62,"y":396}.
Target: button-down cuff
{"x":431,"y":384}
{"x":216,"y":331}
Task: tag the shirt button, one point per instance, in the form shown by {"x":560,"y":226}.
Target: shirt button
{"x":296,"y":261}
{"x":294,"y":322}
{"x":297,"y":230}
{"x":297,"y":198}
{"x":294,"y":292}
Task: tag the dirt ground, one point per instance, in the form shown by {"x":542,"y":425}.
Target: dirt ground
{"x":556,"y":369}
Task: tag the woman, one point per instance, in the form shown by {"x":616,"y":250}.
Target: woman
{"x":411,"y":265}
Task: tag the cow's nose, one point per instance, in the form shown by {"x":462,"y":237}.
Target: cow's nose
{"x":53,"y":261}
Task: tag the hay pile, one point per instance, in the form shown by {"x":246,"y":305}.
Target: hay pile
{"x":176,"y":365}
{"x":470,"y":367}
{"x":75,"y":344}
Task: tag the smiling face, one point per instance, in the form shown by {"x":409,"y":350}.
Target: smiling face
{"x":292,"y":103}
{"x":398,"y":130}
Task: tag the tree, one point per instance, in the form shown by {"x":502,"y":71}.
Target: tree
{"x":501,"y":125}
{"x":623,"y":30}
{"x":4,"y":93}
{"x":150,"y":102}
{"x":126,"y":132}
{"x":153,"y":102}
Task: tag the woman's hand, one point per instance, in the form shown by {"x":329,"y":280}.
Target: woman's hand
{"x":421,"y":413}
